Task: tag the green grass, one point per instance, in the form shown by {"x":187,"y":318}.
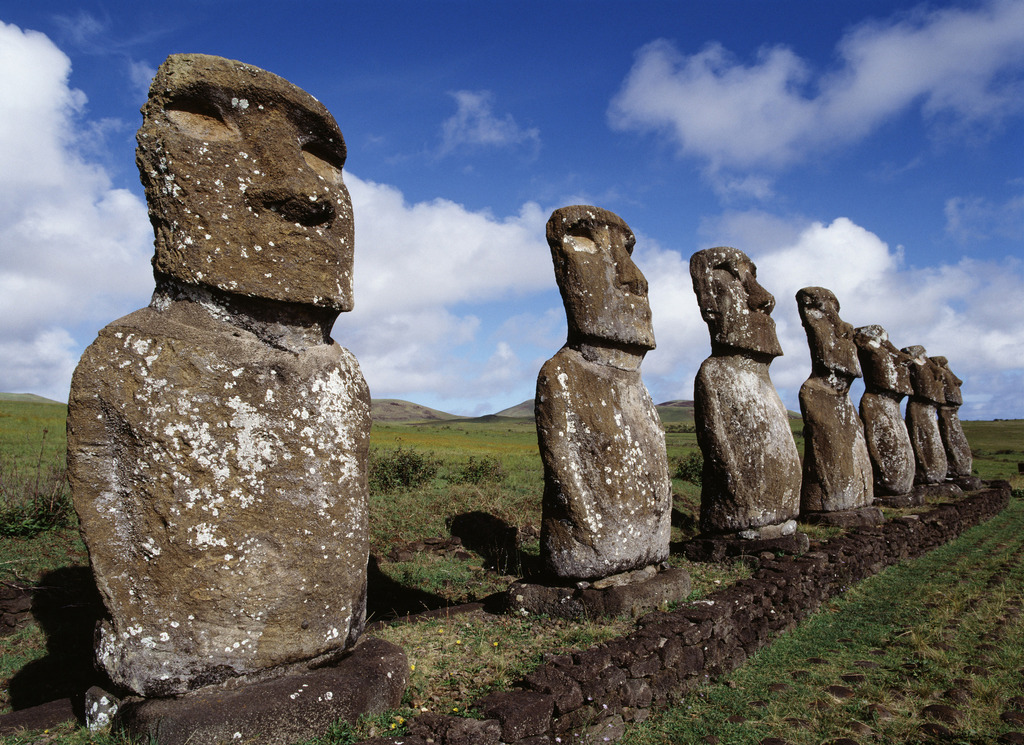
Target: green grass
{"x":29,"y":429}
{"x":920,"y":627}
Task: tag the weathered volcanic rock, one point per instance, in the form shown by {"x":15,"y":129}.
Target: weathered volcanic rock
{"x":218,"y":439}
{"x":369,"y":679}
{"x":922,"y":418}
{"x":607,"y":495}
{"x":958,"y":451}
{"x":837,"y":468}
{"x":886,"y":382}
{"x":751,"y":475}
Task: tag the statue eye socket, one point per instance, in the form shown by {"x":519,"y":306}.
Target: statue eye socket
{"x":729,"y":268}
{"x":201,"y":120}
{"x":323,"y":162}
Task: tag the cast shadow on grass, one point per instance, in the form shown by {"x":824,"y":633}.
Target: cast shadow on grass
{"x":66,"y":605}
{"x":497,"y":542}
{"x":686,"y":522}
{"x":387,"y":600}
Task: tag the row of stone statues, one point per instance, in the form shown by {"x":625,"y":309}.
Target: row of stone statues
{"x":218,"y":439}
{"x":607,"y":497}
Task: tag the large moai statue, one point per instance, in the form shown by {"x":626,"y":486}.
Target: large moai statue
{"x":922,"y":418}
{"x":959,"y":461}
{"x":886,"y":382}
{"x":836,"y":485}
{"x":218,"y":439}
{"x":751,"y":477}
{"x":607,"y":494}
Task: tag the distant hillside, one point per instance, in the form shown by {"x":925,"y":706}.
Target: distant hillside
{"x":396,"y":410}
{"x":673,"y":412}
{"x":27,"y":398}
{"x":525,"y":409}
{"x":670,"y":411}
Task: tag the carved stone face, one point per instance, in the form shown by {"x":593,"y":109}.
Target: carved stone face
{"x":884,"y":366}
{"x":829,"y":336}
{"x":604,"y":292}
{"x":925,"y":376}
{"x":736,"y":308}
{"x":243,"y":175}
{"x":951,"y":383}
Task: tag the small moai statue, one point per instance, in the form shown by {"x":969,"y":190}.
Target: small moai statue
{"x":959,"y":461}
{"x":218,"y":439}
{"x":751,"y":476}
{"x":837,"y":468}
{"x":886,"y":382}
{"x":922,"y":418}
{"x":607,"y":493}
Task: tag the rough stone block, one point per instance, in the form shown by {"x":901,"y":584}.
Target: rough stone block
{"x":521,"y":713}
{"x":369,"y":680}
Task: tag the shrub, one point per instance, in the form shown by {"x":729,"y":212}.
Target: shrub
{"x":690,"y":468}
{"x":478,"y":470}
{"x":400,"y":468}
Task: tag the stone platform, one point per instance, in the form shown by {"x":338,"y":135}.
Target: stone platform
{"x":369,"y":680}
{"x":633,"y":593}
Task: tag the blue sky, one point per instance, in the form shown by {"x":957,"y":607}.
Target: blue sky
{"x":874,"y":148}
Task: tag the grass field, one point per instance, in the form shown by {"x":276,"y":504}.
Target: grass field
{"x":454,"y":663}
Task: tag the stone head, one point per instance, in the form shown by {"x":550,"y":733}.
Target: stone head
{"x":884,"y":366}
{"x":736,"y":308}
{"x":243,"y":175}
{"x":829,"y":336}
{"x":925,"y":376}
{"x":604,"y":293}
{"x":951,"y":383}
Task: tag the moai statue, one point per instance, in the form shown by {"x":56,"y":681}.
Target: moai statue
{"x":607,"y":494}
{"x":751,"y":477}
{"x":886,"y":382}
{"x":958,"y":451}
{"x":922,"y":418}
{"x":837,"y":467}
{"x":218,"y":439}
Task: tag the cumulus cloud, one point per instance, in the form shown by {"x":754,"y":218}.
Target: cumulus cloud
{"x":964,"y":65}
{"x":948,"y":309}
{"x":76,"y":249}
{"x":424,"y":272}
{"x":476,"y":124}
{"x":411,"y":256}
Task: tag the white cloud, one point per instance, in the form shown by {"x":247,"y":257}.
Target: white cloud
{"x":961,"y":311}
{"x":423,"y":272}
{"x":964,"y":65}
{"x":475,"y":124}
{"x":975,"y":219}
{"x":439,"y":253}
{"x":75,"y":249}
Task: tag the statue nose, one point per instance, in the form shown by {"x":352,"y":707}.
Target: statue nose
{"x":631,"y":278}
{"x":759,"y":298}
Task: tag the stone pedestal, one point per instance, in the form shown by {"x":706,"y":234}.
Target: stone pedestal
{"x":864,"y":516}
{"x":714,"y":548}
{"x":370,"y":679}
{"x":910,"y":499}
{"x":633,"y":593}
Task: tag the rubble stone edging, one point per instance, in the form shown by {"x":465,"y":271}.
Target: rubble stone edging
{"x":594,"y":692}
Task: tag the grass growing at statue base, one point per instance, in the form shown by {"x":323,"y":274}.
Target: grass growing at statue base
{"x":945,"y":629}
